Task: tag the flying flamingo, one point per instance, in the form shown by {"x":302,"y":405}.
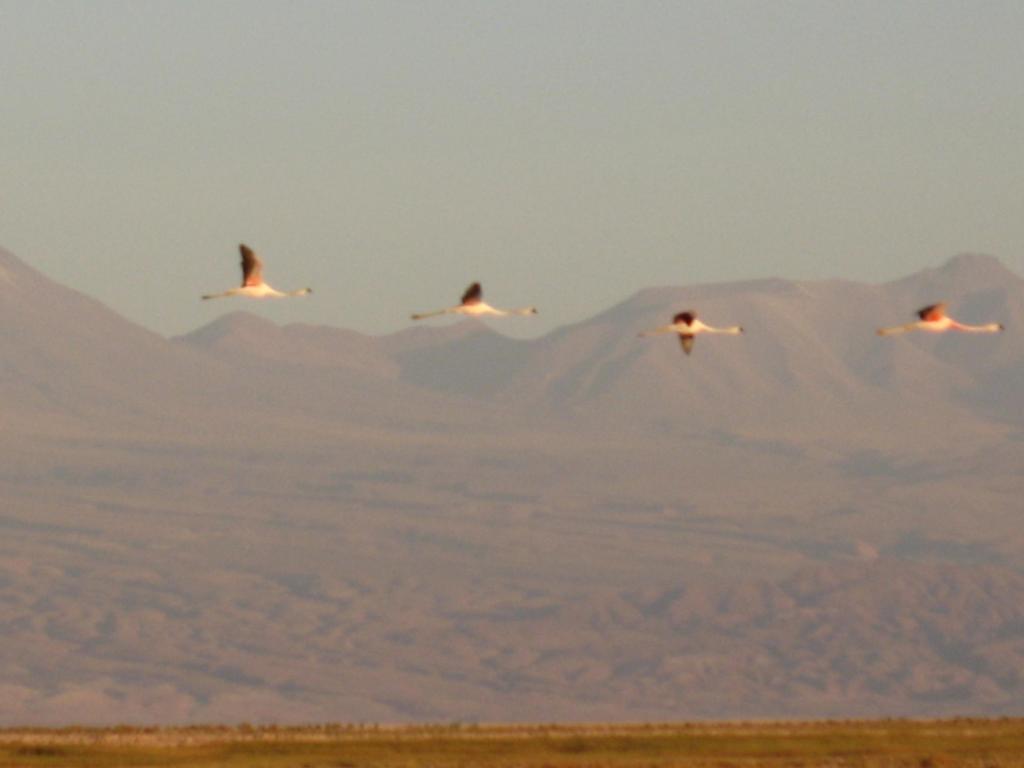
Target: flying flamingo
{"x":473,"y":304}
{"x":253,"y":285}
{"x":935,"y":320}
{"x":688,"y":326}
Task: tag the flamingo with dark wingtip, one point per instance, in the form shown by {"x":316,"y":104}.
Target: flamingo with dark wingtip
{"x":253,"y":284}
{"x":935,"y":320}
{"x":473,"y":304}
{"x":688,"y":326}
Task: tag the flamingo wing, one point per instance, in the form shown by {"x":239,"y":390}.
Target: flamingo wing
{"x":932,"y":312}
{"x":686,"y":317}
{"x":252,"y":267}
{"x":473,"y":295}
{"x":686,"y":339}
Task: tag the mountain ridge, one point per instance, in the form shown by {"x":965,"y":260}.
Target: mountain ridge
{"x":261,"y":522}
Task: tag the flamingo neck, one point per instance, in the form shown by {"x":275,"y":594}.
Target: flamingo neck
{"x":987,"y":328}
{"x":732,"y":330}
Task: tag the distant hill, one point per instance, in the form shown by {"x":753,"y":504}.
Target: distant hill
{"x":810,"y":352}
{"x":255,"y":522}
{"x":809,"y":366}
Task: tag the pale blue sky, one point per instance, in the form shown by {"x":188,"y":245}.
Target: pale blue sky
{"x":564,"y":153}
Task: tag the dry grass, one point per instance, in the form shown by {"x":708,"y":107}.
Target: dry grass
{"x":866,"y":744}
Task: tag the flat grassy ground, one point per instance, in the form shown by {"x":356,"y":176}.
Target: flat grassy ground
{"x":850,"y":743}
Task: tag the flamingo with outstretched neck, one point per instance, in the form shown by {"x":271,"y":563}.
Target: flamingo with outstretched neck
{"x":253,"y":284}
{"x":473,"y":304}
{"x":687,"y":326}
{"x":934,"y":319}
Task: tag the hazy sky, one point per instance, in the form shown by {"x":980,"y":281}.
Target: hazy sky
{"x":564,"y":153}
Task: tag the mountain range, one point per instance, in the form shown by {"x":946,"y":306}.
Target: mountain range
{"x":294,"y":523}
